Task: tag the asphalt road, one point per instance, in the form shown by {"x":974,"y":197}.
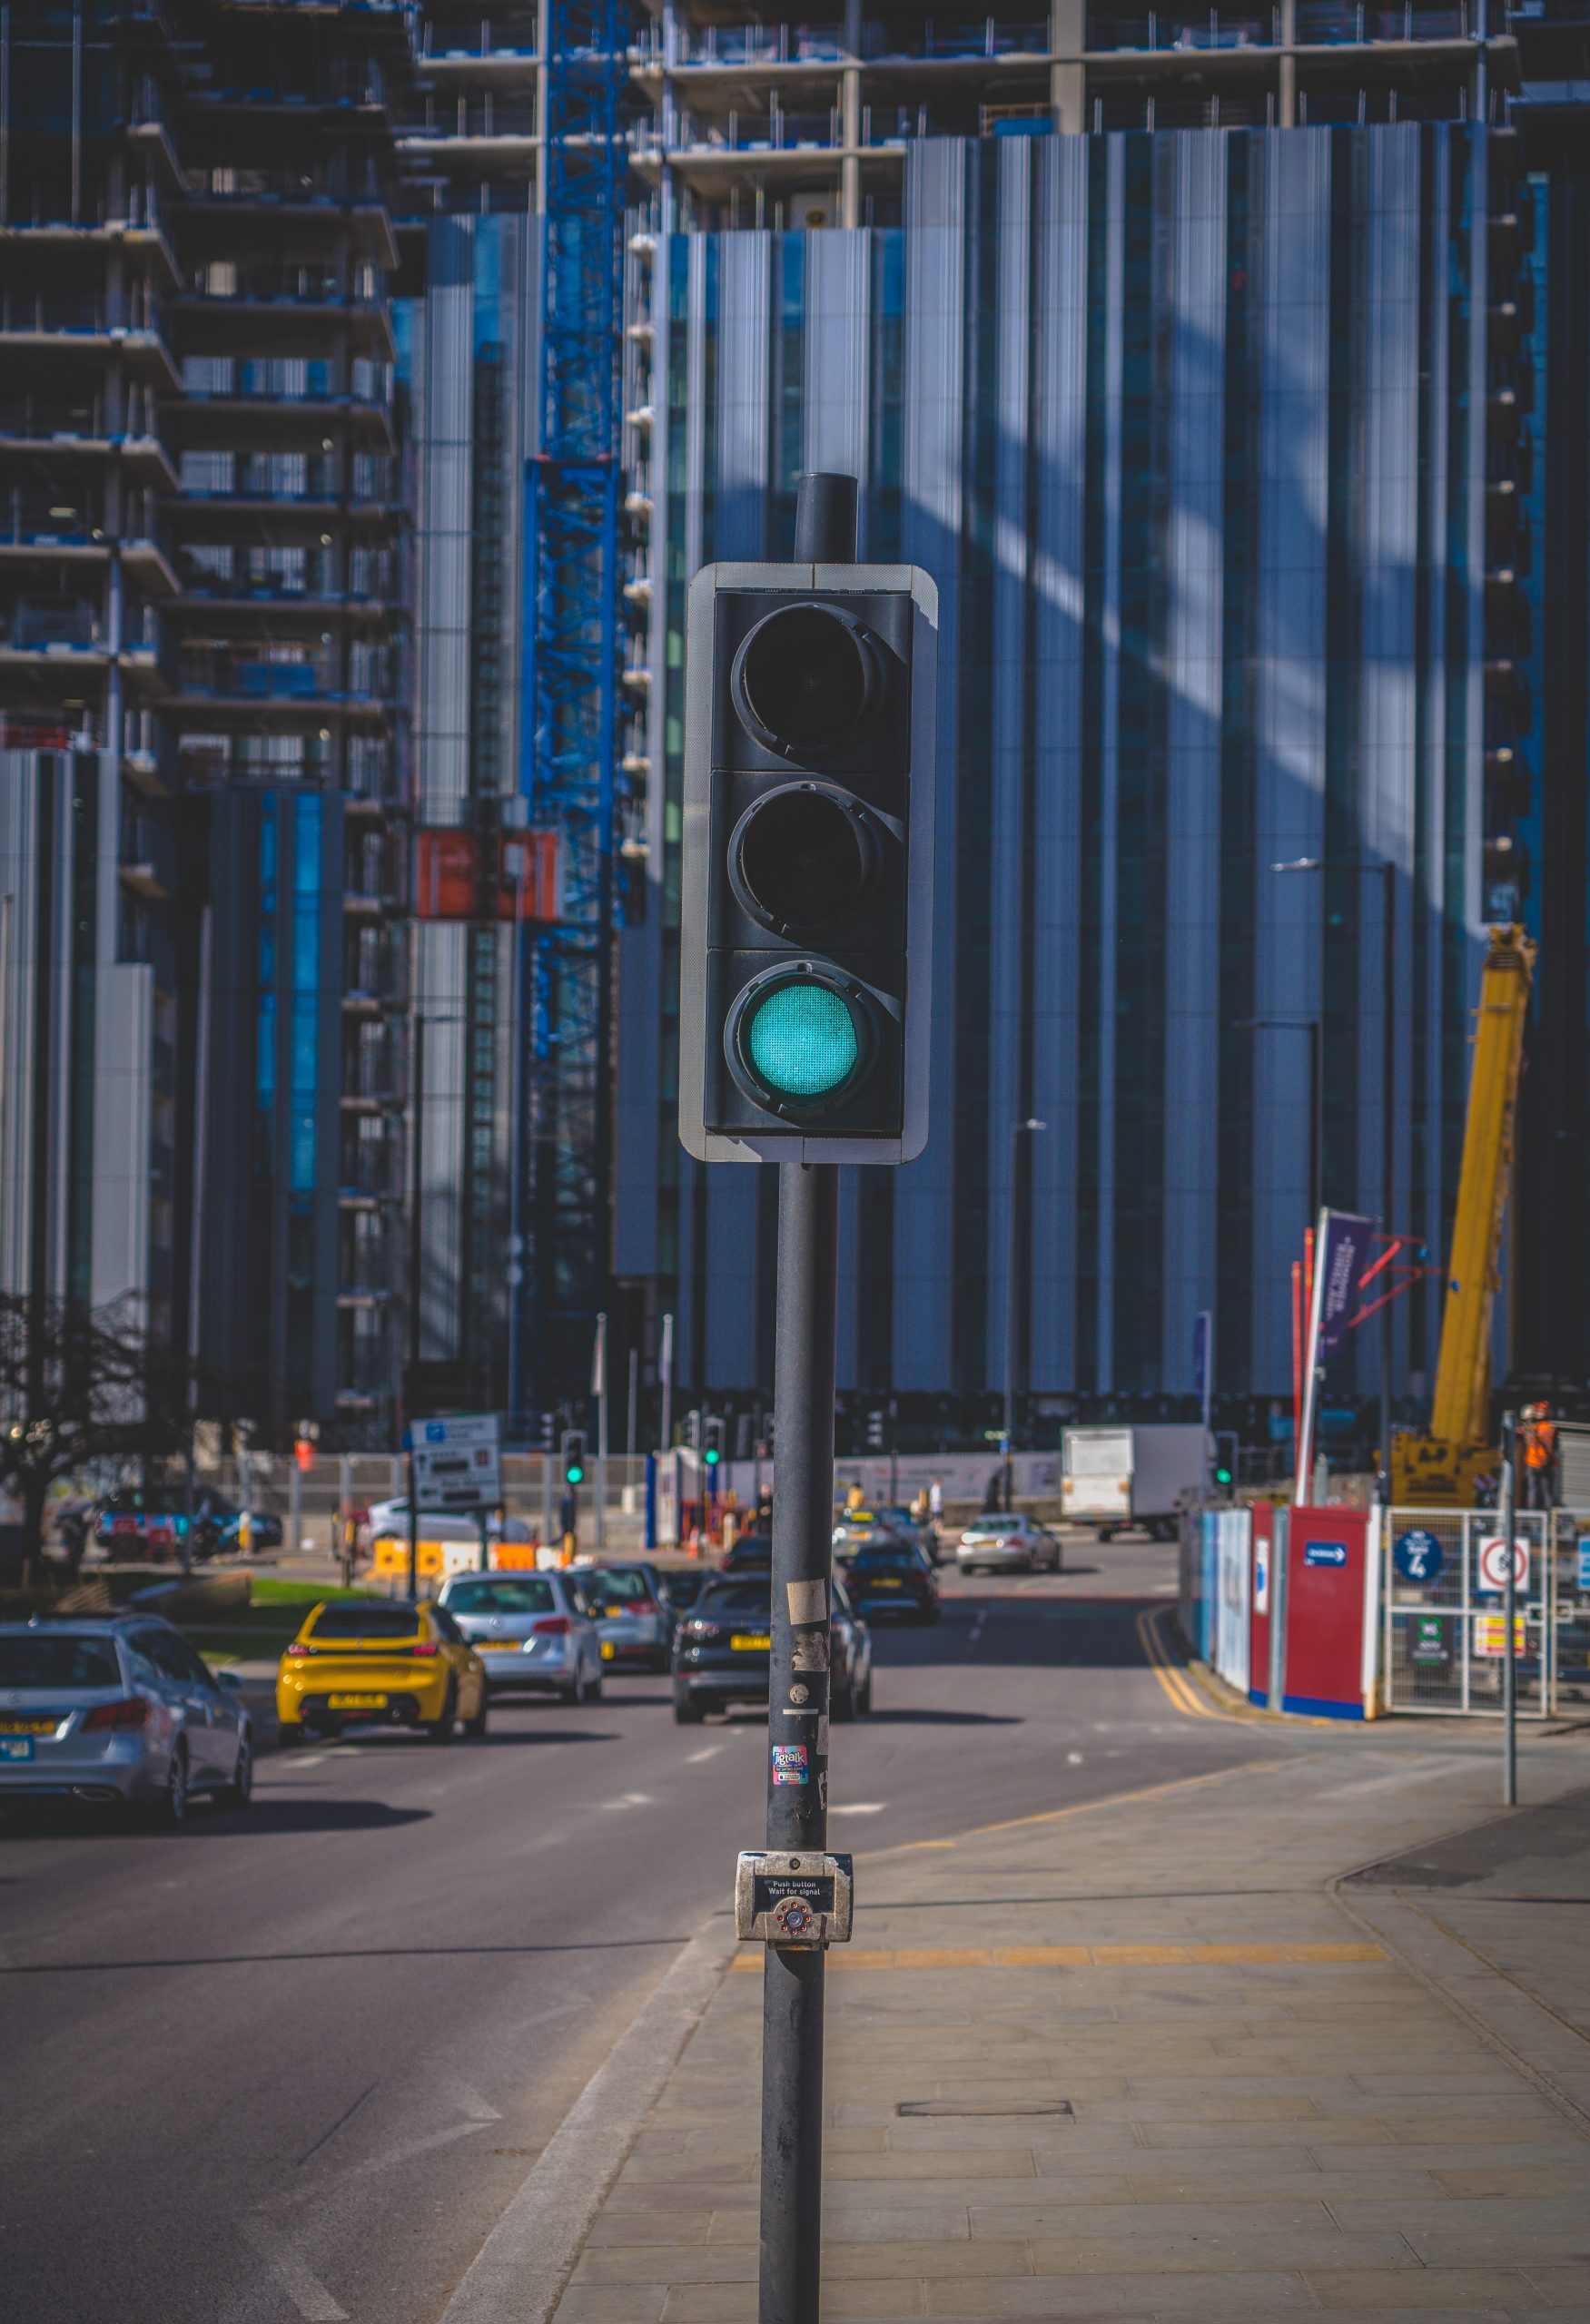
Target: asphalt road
{"x":292,"y":2062}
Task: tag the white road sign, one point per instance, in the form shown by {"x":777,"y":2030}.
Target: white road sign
{"x":1493,"y":1564}
{"x":457,"y":1462}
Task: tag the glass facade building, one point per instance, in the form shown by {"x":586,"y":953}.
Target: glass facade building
{"x":1197,"y":432}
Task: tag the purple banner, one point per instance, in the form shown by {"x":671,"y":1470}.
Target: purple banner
{"x":1341,"y":1261}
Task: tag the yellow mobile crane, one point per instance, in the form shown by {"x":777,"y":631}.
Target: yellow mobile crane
{"x":1443,"y":1466}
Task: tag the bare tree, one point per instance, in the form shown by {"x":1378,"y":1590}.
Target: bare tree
{"x":80,"y":1385}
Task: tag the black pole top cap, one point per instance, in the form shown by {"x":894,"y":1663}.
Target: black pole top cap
{"x":825,"y":509}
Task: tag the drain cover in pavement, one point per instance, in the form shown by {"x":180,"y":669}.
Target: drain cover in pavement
{"x":984,"y":2106}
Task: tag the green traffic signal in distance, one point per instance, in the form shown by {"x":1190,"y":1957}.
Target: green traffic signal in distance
{"x":1222,"y":1476}
{"x":574,"y":1474}
{"x":713,"y":1456}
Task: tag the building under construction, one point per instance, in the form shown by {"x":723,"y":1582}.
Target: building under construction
{"x":1229,"y":370}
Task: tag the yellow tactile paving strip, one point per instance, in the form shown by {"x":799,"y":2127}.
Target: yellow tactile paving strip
{"x":1082,"y":1956}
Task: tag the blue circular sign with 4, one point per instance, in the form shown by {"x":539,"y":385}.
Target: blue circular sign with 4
{"x":1418,"y":1556}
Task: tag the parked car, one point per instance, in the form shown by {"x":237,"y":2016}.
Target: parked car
{"x":996,"y":1542}
{"x":630,"y":1603}
{"x":118,"y":1708}
{"x":726,"y":1647}
{"x":150,"y":1521}
{"x":361,"y":1661}
{"x":532,"y":1631}
{"x":893,"y":1578}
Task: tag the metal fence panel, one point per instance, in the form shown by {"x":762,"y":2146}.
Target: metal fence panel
{"x":1570,"y":1630}
{"x":1444,"y":1634}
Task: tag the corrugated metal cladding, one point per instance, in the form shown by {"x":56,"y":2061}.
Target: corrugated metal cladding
{"x":1189,"y":428}
{"x":468,"y":355}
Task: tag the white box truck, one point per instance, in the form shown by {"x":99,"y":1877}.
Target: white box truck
{"x":1115,"y":1477}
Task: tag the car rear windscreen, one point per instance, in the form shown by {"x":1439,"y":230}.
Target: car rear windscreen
{"x":615,"y":1585}
{"x":723,"y":1601}
{"x":527,"y":1595}
{"x":365,"y":1621}
{"x":891,"y":1561}
{"x":40,"y":1660}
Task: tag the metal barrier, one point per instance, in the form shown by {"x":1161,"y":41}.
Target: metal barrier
{"x":1444,"y":1632}
{"x":1570,"y":1585}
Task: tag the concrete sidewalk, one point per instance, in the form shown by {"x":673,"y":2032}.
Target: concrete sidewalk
{"x":1145,"y":2060}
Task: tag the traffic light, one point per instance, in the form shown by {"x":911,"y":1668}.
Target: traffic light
{"x":1225,"y":1468}
{"x":693,"y":1431}
{"x":808,"y":888}
{"x":574,"y":1456}
{"x":875,"y":1432}
{"x":713,"y":1452}
{"x":549,"y":1430}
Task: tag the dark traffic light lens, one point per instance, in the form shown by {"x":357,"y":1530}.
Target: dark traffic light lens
{"x":799,"y":1039}
{"x":805,"y":859}
{"x":807,"y":680}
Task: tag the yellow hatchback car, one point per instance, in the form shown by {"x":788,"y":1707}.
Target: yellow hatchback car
{"x":361,"y":1661}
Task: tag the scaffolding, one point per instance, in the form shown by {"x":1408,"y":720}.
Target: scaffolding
{"x":570,"y":721}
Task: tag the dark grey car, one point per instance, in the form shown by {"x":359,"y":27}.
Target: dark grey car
{"x":118,"y":1709}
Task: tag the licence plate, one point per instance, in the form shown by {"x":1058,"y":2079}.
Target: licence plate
{"x":356,"y":1702}
{"x":16,"y":1746}
{"x":752,"y":1642}
{"x":498,"y":1646}
{"x":608,"y":1649}
{"x":887,"y":1585}
{"x":36,"y":1723}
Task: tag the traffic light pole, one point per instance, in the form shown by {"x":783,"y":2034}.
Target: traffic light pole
{"x":797,"y":1776}
{"x":798,"y":1694}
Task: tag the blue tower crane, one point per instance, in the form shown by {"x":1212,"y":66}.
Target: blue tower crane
{"x":571,"y":721}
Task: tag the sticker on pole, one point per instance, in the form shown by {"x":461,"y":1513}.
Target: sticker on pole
{"x":789,"y":1763}
{"x":1493,"y":1564}
{"x":1417,"y":1555}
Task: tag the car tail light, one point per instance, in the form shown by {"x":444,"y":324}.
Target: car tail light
{"x":298,"y":1649}
{"x":425,"y":1645}
{"x":552,"y":1626}
{"x":644,"y":1606}
{"x":130,"y":1713}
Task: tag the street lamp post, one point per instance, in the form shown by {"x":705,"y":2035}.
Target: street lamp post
{"x":1387,"y":872}
{"x":1311,"y":1026}
{"x":1016,"y":1130}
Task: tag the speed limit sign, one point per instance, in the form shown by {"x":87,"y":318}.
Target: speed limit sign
{"x":1493,"y":1564}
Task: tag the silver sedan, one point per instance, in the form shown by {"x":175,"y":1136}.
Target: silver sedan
{"x":531,"y":1630}
{"x":120,"y":1709}
{"x":999,"y":1542}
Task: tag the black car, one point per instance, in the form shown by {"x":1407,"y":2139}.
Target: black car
{"x":893,"y":1577}
{"x":722,"y":1652}
{"x":751,"y":1553}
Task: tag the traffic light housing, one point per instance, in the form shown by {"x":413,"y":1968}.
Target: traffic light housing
{"x":807,"y":914}
{"x":875,"y":1432}
{"x":712,"y":1452}
{"x":574,"y":1456}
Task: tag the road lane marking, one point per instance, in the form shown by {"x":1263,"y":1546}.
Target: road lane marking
{"x":857,"y":1808}
{"x":1073,"y":1758}
{"x":1176,"y":1684}
{"x":693,"y":1758}
{"x":1086,"y":1957}
{"x":303,"y":2287}
{"x":630,"y":1799}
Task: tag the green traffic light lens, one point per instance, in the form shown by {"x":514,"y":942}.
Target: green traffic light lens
{"x":575,"y":1473}
{"x":712,"y":1458}
{"x":802,"y":1041}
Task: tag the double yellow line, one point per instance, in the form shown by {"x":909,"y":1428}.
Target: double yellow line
{"x":1178,"y":1686}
